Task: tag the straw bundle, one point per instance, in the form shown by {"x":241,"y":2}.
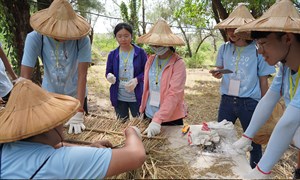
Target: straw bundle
{"x":161,"y":163}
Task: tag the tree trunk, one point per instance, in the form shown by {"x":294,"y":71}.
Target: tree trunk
{"x":219,"y":13}
{"x":186,"y":39}
{"x":20,"y":10}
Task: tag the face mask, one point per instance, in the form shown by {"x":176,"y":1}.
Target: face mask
{"x":159,"y":50}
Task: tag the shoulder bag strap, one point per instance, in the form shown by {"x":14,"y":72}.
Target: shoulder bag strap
{"x":39,"y":168}
{"x":1,"y":146}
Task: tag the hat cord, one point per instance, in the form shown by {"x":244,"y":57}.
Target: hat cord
{"x":62,"y":144}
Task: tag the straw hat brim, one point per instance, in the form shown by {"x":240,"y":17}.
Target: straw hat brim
{"x":281,"y":17}
{"x":68,"y":26}
{"x":21,"y":121}
{"x":161,"y":35}
{"x":239,"y":16}
{"x":233,"y":23}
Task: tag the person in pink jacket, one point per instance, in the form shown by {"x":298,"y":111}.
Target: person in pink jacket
{"x":164,"y":79}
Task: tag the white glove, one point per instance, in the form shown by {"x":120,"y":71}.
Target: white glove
{"x":243,"y":145}
{"x":256,"y":174}
{"x":130,"y":85}
{"x":153,"y":129}
{"x":76,"y":123}
{"x":111,"y":78}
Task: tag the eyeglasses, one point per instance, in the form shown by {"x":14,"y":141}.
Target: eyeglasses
{"x":123,"y":36}
{"x":260,"y":45}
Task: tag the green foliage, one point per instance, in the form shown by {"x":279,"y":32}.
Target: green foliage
{"x":124,"y":12}
{"x":102,"y":45}
{"x":131,"y":19}
{"x":7,"y":29}
{"x":206,"y":56}
{"x":193,"y":12}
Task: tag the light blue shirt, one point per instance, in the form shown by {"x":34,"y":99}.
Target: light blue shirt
{"x":281,"y":82}
{"x":60,"y":60}
{"x":21,"y":159}
{"x":247,"y":66}
{"x":5,"y":83}
{"x":153,"y":86}
{"x":125,"y":75}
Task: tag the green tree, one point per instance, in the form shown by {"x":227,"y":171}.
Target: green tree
{"x":15,"y":15}
{"x":132,"y":16}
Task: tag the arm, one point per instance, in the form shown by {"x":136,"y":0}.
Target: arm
{"x":129,"y":157}
{"x":263,"y":81}
{"x":26,"y":72}
{"x":81,"y":87}
{"x":109,"y":64}
{"x":140,"y":77}
{"x":262,"y":112}
{"x":7,"y":65}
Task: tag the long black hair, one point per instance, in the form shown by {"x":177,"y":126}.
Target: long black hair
{"x":121,"y":26}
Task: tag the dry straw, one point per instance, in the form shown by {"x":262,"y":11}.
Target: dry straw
{"x":161,"y":162}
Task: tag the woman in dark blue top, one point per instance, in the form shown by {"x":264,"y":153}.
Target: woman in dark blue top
{"x":125,"y":71}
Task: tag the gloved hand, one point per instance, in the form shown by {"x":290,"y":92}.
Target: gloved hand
{"x":76,"y":123}
{"x":111,"y":78}
{"x":257,"y":174}
{"x":243,"y":145}
{"x":153,"y":129}
{"x":129,"y":87}
{"x":137,"y":130}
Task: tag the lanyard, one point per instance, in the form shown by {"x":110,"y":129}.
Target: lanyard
{"x":292,"y":87}
{"x":239,"y":51}
{"x":159,"y":67}
{"x":56,"y":52}
{"x":126,"y":59}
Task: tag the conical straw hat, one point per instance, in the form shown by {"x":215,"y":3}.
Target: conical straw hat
{"x":161,"y":35}
{"x":281,"y":17}
{"x":239,"y":16}
{"x":60,"y":21}
{"x":31,"y":110}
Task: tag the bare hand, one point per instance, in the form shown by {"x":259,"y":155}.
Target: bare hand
{"x":217,"y":75}
{"x":101,"y":144}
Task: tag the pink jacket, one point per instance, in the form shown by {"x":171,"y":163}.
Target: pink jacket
{"x":172,"y":84}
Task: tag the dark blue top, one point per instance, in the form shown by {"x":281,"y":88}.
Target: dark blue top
{"x":112,"y":66}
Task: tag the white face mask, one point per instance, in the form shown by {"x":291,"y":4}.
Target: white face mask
{"x":159,"y":50}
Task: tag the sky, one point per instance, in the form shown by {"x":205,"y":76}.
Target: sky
{"x":106,"y":25}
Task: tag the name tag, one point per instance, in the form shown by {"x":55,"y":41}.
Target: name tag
{"x":234,"y":87}
{"x":154,"y":98}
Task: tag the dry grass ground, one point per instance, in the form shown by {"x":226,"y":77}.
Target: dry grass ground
{"x":202,"y":97}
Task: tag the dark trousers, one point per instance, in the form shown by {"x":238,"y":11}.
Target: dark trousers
{"x":122,"y":109}
{"x":231,"y":108}
{"x":85,"y":106}
{"x":170,"y":123}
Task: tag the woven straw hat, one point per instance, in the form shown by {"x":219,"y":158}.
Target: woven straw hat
{"x":31,"y":110}
{"x":281,"y":17}
{"x":239,"y":16}
{"x":161,"y":35}
{"x":60,"y":21}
